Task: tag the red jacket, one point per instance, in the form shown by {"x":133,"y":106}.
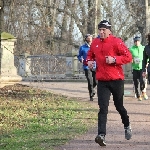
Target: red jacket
{"x":111,"y":46}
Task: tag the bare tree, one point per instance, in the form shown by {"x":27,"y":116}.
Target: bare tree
{"x":58,"y":26}
{"x":137,"y":9}
{"x":122,"y":22}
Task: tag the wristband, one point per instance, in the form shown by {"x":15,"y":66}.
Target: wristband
{"x":114,"y":60}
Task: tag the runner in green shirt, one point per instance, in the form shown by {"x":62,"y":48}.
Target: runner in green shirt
{"x":137,"y":57}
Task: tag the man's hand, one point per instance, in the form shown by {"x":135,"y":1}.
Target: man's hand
{"x":110,"y":59}
{"x":144,"y":74}
{"x":82,"y":60}
{"x":91,"y":64}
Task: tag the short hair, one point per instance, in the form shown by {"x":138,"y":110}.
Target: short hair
{"x":87,"y":35}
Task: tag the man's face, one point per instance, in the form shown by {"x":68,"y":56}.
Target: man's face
{"x":137,"y":43}
{"x":104,"y":33}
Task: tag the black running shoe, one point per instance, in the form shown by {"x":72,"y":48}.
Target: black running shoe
{"x":128,"y":132}
{"x":100,"y":139}
{"x":91,"y":98}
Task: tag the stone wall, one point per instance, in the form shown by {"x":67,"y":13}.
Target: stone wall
{"x":46,"y":67}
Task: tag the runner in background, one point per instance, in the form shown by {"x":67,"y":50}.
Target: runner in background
{"x":137,"y":57}
{"x":89,"y":73}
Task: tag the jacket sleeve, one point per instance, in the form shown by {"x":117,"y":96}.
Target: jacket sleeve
{"x":80,"y":54}
{"x":90,"y":54}
{"x":124,"y":55}
{"x":145,"y":58}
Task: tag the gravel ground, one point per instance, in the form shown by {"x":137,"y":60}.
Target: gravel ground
{"x":138,"y":111}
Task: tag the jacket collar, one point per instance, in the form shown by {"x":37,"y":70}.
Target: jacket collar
{"x":107,"y":39}
{"x":138,"y":46}
{"x":86,"y":43}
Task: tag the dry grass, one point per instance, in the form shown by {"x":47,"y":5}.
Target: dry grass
{"x":35,"y":119}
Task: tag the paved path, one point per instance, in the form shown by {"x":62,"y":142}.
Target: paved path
{"x":139,"y":113}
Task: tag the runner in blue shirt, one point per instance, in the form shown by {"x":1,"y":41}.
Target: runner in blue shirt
{"x":90,"y":74}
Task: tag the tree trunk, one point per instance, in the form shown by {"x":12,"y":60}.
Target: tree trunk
{"x":1,"y":25}
{"x":51,"y":9}
{"x":92,"y":16}
{"x":137,"y":10}
{"x":1,"y":16}
{"x":1,"y":19}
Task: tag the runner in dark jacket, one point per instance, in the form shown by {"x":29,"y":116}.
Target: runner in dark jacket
{"x":146,"y":55}
{"x":146,"y":59}
{"x":110,"y":53}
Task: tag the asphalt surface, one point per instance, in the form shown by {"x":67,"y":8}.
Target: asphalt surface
{"x":138,"y":111}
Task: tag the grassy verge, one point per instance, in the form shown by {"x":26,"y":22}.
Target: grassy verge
{"x":32,"y":119}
